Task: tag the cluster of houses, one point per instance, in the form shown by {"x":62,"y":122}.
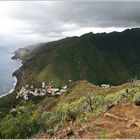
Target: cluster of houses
{"x":26,"y":91}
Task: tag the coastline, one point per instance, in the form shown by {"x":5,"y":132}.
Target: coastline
{"x":11,"y":90}
{"x":15,"y":79}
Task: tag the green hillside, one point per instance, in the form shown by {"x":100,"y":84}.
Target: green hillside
{"x":110,"y":58}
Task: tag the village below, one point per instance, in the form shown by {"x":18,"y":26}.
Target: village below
{"x":28,"y":91}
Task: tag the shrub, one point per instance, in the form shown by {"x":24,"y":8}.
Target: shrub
{"x":79,"y":105}
{"x":53,"y":119}
{"x":112,"y":99}
{"x":71,"y":115}
{"x":21,"y":126}
{"x":46,"y":120}
{"x":94,"y":101}
{"x":136,"y":98}
{"x":71,"y":111}
{"x":109,"y":100}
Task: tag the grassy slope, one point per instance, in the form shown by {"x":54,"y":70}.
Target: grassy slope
{"x":47,"y":113}
{"x":93,"y":124}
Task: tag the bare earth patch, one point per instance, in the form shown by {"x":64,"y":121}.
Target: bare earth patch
{"x":121,"y":121}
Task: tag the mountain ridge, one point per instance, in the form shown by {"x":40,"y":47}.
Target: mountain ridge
{"x":111,"y":58}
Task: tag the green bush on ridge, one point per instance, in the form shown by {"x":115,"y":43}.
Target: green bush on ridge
{"x":136,"y":98}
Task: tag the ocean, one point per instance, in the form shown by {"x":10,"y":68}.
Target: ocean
{"x":7,"y":67}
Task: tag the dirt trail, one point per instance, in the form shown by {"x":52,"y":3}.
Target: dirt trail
{"x":121,"y":121}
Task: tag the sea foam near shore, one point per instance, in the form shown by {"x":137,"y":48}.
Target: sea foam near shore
{"x":7,"y":64}
{"x":11,"y":90}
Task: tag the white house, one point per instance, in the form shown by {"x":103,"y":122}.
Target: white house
{"x":43,"y":84}
{"x":63,"y":90}
{"x":65,"y":87}
{"x":58,"y":93}
{"x":50,"y":90}
{"x":105,"y":86}
{"x":32,"y":86}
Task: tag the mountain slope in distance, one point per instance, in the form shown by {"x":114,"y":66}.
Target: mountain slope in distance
{"x":111,"y":58}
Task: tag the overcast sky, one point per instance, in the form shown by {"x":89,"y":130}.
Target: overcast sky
{"x":23,"y":23}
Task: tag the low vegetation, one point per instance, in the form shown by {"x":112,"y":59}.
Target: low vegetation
{"x":136,"y":98}
{"x":29,"y":119}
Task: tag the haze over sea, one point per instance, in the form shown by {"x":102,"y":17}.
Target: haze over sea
{"x":7,"y":67}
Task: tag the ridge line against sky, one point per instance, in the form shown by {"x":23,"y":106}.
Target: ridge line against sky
{"x":29,"y":22}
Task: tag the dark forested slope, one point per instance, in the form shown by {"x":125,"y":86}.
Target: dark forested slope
{"x":99,"y":58}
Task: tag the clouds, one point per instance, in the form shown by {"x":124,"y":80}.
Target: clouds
{"x":44,"y":21}
{"x":54,"y":18}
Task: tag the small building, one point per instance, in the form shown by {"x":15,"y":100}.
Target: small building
{"x":50,"y":90}
{"x":43,"y":84}
{"x":26,"y":97}
{"x":57,"y":93}
{"x":31,"y":86}
{"x":63,"y":90}
{"x":105,"y":86}
{"x":65,"y":87}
